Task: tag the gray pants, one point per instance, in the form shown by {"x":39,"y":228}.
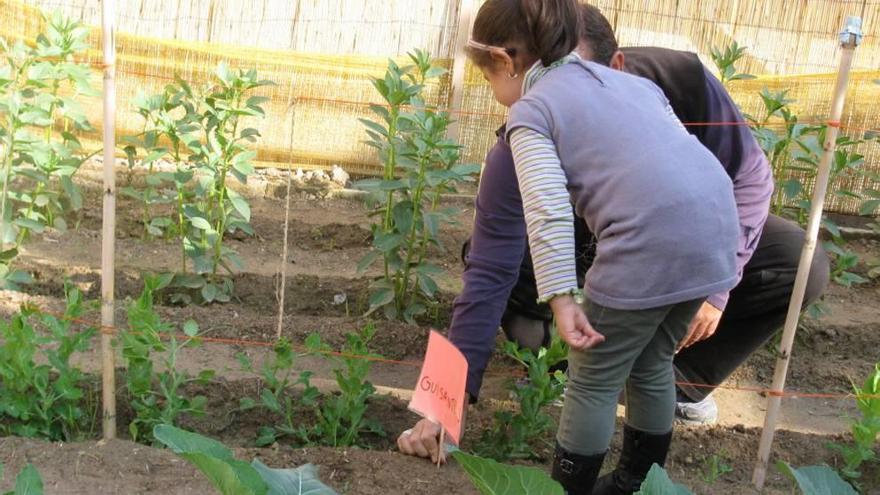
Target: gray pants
{"x":636,"y":355}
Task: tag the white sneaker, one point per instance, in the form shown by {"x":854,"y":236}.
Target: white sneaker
{"x":704,"y":412}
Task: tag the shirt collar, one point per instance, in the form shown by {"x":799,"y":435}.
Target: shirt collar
{"x":537,"y":70}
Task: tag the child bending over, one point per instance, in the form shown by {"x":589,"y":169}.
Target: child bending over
{"x":659,"y":203}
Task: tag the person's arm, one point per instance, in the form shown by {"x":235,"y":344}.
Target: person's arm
{"x":742,"y":157}
{"x":549,"y":222}
{"x":498,"y":244}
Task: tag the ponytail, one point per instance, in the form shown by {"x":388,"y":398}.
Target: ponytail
{"x":544,"y":29}
{"x":553,"y":27}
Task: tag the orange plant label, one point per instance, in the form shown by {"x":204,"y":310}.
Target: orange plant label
{"x":439,"y":394}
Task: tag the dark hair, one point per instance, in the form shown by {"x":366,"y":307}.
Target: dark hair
{"x":544,"y":29}
{"x":597,"y":32}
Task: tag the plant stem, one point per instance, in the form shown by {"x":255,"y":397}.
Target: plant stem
{"x":181,"y":227}
{"x":413,"y":230}
{"x":221,"y":221}
{"x":7,"y":172}
{"x":390,"y":166}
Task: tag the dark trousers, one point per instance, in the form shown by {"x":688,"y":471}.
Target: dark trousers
{"x":755,"y":311}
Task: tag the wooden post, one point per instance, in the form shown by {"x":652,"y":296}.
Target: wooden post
{"x":108,"y":247}
{"x":849,"y":39}
{"x":459,"y":64}
{"x":282,"y":268}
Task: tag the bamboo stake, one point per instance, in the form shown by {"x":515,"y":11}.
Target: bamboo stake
{"x":849,"y":39}
{"x":465,"y":18}
{"x":283,"y":263}
{"x":108,"y":234}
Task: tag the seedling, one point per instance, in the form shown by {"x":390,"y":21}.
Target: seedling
{"x":420,"y":164}
{"x":341,"y":417}
{"x":715,"y":466}
{"x":156,"y":397}
{"x":513,"y":433}
{"x":865,"y":430}
{"x":44,"y":400}
{"x":278,"y":397}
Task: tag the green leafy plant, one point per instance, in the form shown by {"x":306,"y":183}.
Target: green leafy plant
{"x":865,"y":430}
{"x":277,"y":397}
{"x":420,"y":164}
{"x":231,"y":476}
{"x":513,"y":433}
{"x":40,"y":85}
{"x":204,"y":135}
{"x":816,"y":480}
{"x":794,"y":150}
{"x":28,"y":481}
{"x":156,"y":397}
{"x":657,"y":482}
{"x":169,"y":119}
{"x":714,"y":467}
{"x":341,"y":417}
{"x":44,"y":400}
{"x":492,"y":478}
{"x":726,"y":61}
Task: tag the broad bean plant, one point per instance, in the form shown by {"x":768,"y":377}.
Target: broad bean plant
{"x":41,"y":116}
{"x":42,"y":393}
{"x":420,"y":164}
{"x":515,"y":431}
{"x":157,"y":397}
{"x":794,"y":149}
{"x":204,"y":137}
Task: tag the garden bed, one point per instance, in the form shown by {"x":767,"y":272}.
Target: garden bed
{"x":326,"y":240}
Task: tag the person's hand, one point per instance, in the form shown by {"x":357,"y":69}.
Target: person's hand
{"x":422,"y":440}
{"x":702,"y":326}
{"x":572,"y":324}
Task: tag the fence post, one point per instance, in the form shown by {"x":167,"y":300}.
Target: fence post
{"x":849,"y":40}
{"x":465,"y":17}
{"x":108,"y":235}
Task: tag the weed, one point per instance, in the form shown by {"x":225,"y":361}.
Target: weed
{"x":513,"y":433}
{"x":419,"y":165}
{"x":715,"y":466}
{"x":44,"y":400}
{"x":39,"y":151}
{"x":156,"y":397}
{"x":276,"y":374}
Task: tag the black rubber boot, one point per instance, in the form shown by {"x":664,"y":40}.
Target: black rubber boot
{"x":640,"y":451}
{"x":576,"y":473}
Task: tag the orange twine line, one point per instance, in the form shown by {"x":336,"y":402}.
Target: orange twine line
{"x":112,"y":330}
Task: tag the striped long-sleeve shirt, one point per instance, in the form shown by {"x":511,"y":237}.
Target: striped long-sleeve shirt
{"x":547,"y":208}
